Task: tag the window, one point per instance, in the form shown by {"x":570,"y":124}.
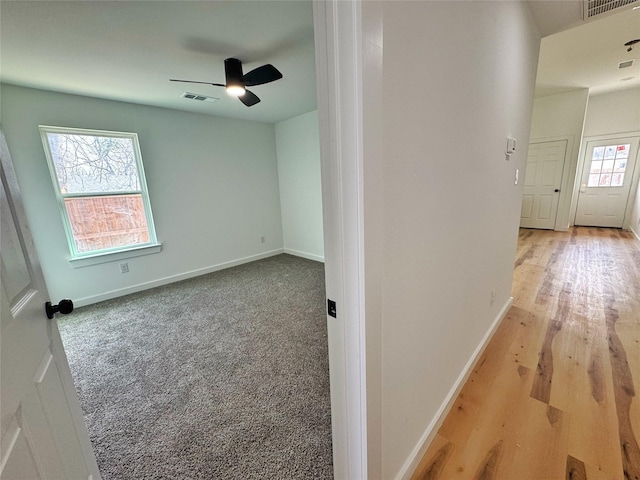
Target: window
{"x":101,"y":190}
{"x":608,"y":165}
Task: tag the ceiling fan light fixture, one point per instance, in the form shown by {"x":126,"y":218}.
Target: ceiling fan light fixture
{"x":236,"y":82}
{"x":233,"y":74}
{"x":235,"y":90}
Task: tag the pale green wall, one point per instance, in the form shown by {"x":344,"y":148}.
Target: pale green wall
{"x":213,"y":184}
{"x":298,"y":146}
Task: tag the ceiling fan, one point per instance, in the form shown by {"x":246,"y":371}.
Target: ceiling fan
{"x":236,"y":82}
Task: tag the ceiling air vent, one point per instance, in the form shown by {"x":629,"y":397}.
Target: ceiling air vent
{"x":198,"y":97}
{"x":626,"y":64}
{"x":593,"y":8}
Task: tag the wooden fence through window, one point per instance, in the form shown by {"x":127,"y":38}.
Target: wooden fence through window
{"x":107,"y":222}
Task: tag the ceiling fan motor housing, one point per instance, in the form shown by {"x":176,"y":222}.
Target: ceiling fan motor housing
{"x":233,"y":72}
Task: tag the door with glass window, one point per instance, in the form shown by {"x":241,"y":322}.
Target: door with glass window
{"x":606,"y":182}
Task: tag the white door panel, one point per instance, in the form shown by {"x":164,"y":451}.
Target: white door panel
{"x":606,"y":182}
{"x":545,"y":163}
{"x":550,"y":169}
{"x":545,"y":207}
{"x":527,"y":206}
{"x":43,"y":431}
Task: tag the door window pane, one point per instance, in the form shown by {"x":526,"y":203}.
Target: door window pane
{"x":596,"y":166}
{"x":617,"y":179}
{"x":608,"y":165}
{"x":620,"y":166}
{"x":605,"y":180}
{"x":623,"y":151}
{"x":610,"y":152}
{"x":598,"y":153}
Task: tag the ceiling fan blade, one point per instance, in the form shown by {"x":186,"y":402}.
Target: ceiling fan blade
{"x":193,"y":81}
{"x":261,"y":75}
{"x":249,"y":98}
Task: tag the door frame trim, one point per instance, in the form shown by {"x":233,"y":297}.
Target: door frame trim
{"x":338,"y":49}
{"x":580,"y":166}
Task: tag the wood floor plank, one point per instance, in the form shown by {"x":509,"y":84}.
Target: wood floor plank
{"x":576,"y":470}
{"x":556,"y":393}
{"x":431,"y":466}
{"x":543,"y":436}
{"x":490,"y":439}
{"x":614,"y":277}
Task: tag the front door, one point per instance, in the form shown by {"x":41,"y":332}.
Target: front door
{"x":606,"y":182}
{"x":545,"y":162}
{"x":43,"y":435}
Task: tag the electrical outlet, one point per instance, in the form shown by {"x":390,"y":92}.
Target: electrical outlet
{"x":262,"y":239}
{"x":124,"y":267}
{"x":493,"y":296}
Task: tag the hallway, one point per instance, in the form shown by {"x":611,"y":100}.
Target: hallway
{"x":556,"y":393}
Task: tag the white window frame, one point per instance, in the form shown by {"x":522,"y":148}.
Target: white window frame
{"x":81,"y":259}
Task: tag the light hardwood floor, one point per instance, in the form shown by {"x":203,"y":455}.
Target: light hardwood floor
{"x":556,"y":394}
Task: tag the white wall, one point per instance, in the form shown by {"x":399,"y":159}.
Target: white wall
{"x":614,"y":113}
{"x":298,"y":147}
{"x":213,"y":185}
{"x":562,"y":117}
{"x":457,"y":79}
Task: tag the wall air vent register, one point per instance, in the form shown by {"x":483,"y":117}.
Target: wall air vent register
{"x":593,"y":8}
{"x":198,"y":97}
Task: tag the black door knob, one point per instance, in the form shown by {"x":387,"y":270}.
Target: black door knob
{"x":64,"y":307}
{"x":557,"y":190}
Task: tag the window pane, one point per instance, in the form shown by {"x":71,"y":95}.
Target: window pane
{"x":596,"y":166}
{"x":100,"y":223}
{"x":610,"y":152}
{"x":621,"y":165}
{"x":88,"y":163}
{"x":607,"y":166}
{"x":598,"y":153}
{"x":623,"y":151}
{"x":605,"y":180}
{"x":617,"y":179}
{"x":594,"y":180}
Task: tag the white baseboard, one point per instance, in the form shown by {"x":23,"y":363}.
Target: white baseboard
{"x":635,"y":233}
{"x":427,"y":437}
{"x":308,"y":256}
{"x":173,"y":278}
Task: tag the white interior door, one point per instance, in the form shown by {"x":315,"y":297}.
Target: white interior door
{"x":606,"y":182}
{"x":41,"y":426}
{"x":545,"y":162}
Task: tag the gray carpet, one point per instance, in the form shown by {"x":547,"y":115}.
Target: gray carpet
{"x":224,"y":376}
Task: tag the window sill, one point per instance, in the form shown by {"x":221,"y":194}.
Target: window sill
{"x":106,"y":257}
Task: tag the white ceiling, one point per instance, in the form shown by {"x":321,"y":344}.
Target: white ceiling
{"x":128,"y":50}
{"x":587,"y":56}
